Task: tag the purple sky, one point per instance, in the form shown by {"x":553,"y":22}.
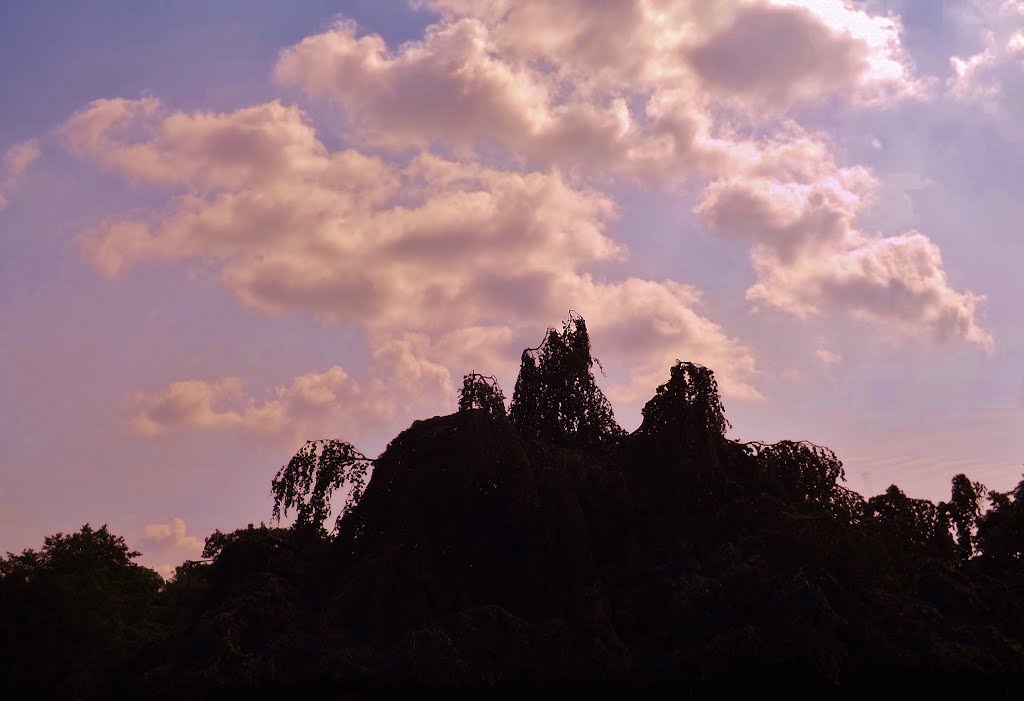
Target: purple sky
{"x":228,"y":227}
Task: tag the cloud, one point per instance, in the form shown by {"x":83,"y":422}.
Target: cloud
{"x":990,"y":77}
{"x":972,"y":78}
{"x":471,"y":190}
{"x":664,"y":314}
{"x":828,"y":357}
{"x":309,"y":404}
{"x":13,"y":166}
{"x":810,"y":258}
{"x":172,"y":537}
{"x":777,"y":54}
{"x":417,"y":252}
{"x":639,"y":89}
{"x":629,"y":87}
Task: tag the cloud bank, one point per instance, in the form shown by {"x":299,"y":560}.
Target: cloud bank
{"x":474,"y":183}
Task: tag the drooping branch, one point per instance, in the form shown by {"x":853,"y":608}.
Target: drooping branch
{"x":309,"y":480}
{"x":481,"y":392}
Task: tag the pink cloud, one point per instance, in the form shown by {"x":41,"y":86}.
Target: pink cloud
{"x":170,"y":540}
{"x":810,"y":258}
{"x":308,"y":405}
{"x":630,"y":87}
{"x":422,"y":247}
{"x":828,"y":357}
{"x":15,"y":162}
{"x":514,"y":115}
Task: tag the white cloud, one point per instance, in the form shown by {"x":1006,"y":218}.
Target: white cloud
{"x":628,"y":87}
{"x":810,"y":258}
{"x":982,"y":78}
{"x":972,"y":77}
{"x":497,"y":128}
{"x":418,"y":253}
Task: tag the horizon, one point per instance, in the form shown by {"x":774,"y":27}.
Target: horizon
{"x":225,"y":230}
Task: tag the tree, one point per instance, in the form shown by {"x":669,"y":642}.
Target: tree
{"x":964,"y":508}
{"x":556,"y":396}
{"x":689,"y":402}
{"x":914,"y":522}
{"x":481,"y":392}
{"x":312,"y":476}
{"x":72,"y":613}
{"x":1001,"y":529}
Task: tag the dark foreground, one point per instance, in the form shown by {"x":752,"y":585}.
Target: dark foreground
{"x":541,"y":550}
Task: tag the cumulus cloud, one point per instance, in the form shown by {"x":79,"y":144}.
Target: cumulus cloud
{"x":630,"y":87}
{"x":313,"y":403}
{"x":637,"y":88}
{"x":419,"y":252}
{"x":777,"y":54}
{"x":170,"y":540}
{"x":810,"y":258}
{"x":469,"y":192}
{"x":172,"y":534}
{"x":13,"y":166}
{"x":982,"y":77}
{"x":972,"y":77}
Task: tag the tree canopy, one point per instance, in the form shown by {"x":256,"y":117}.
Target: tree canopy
{"x":544,"y":546}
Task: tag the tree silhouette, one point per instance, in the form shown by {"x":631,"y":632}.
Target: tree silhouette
{"x":309,"y":480}
{"x":964,"y":508}
{"x":544,"y":549}
{"x":1001,"y":528}
{"x":481,"y":392}
{"x":72,"y":612}
{"x":556,"y":396}
{"x":688,"y":401}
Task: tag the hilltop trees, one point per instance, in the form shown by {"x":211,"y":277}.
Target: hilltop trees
{"x":556,"y":396}
{"x":542,"y":545}
{"x":963,"y":509}
{"x":1001,"y":529}
{"x":72,"y":613}
{"x":482,"y":392}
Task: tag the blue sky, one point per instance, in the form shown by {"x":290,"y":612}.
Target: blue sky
{"x":157,"y":383}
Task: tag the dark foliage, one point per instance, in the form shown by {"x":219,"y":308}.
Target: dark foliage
{"x":72,"y":614}
{"x":311,"y":477}
{"x":481,"y":392}
{"x":556,"y":397}
{"x":546,"y":548}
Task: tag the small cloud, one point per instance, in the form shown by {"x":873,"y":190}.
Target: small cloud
{"x":828,"y":357}
{"x":13,"y":166}
{"x":1015,"y":45}
{"x":970,"y":79}
{"x":172,"y":536}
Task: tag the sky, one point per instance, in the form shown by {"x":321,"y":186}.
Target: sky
{"x":226,"y":228}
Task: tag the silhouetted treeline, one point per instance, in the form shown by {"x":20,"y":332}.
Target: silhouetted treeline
{"x":542,"y":547}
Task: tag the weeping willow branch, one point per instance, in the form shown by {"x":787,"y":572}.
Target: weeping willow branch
{"x":309,"y":480}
